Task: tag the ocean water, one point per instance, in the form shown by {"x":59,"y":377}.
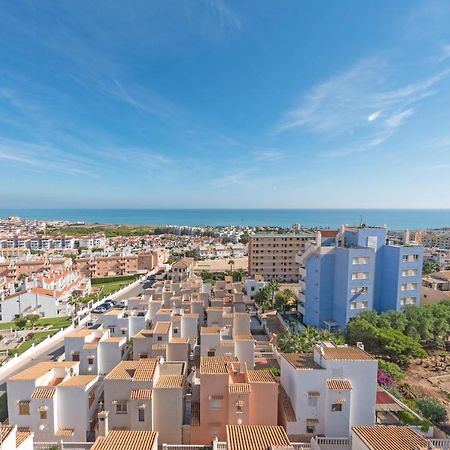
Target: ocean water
{"x":395,"y":219}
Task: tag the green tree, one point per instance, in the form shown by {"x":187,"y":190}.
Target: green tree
{"x":21,"y":322}
{"x":263,"y":298}
{"x":430,"y":267}
{"x":431,"y":409}
{"x":305,"y":341}
{"x":392,"y":369}
{"x":283,"y":299}
{"x":32,"y":318}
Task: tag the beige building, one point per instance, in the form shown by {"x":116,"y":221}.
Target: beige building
{"x":274,"y":255}
{"x":147,"y":395}
{"x":435,"y":287}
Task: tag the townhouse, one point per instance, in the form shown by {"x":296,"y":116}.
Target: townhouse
{"x":96,"y":351}
{"x":328,"y":392}
{"x":226,"y":392}
{"x":147,"y":394}
{"x":11,"y":438}
{"x":39,"y":399}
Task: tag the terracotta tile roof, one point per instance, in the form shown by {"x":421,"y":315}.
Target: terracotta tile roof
{"x":21,"y":436}
{"x":215,"y":364}
{"x":126,"y":440}
{"x":260,"y":376}
{"x":210,"y":330}
{"x":287,"y":405}
{"x":159,"y":346}
{"x":79,"y":381}
{"x":4,"y":431}
{"x":66,"y":432}
{"x":141,"y":394}
{"x":43,"y":392}
{"x":256,"y":437}
{"x":79,"y":333}
{"x":346,"y":353}
{"x":41,"y":368}
{"x":390,"y":437}
{"x":179,"y":340}
{"x":239,"y":388}
{"x":302,"y":361}
{"x":243,"y":337}
{"x":169,"y":382}
{"x":115,"y":339}
{"x":339,"y":385}
{"x":162,"y":327}
{"x":141,"y":370}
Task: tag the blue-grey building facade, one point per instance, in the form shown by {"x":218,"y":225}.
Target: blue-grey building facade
{"x":359,"y":271}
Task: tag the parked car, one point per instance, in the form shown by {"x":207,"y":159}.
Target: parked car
{"x":122,"y":304}
{"x":106,"y":305}
{"x":99,"y":310}
{"x":110,"y":302}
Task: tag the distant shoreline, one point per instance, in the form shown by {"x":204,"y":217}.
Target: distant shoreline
{"x":395,"y":219}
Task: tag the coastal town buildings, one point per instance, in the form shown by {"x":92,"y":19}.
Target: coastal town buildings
{"x":435,"y":287}
{"x":38,"y":399}
{"x":274,"y":255}
{"x":225,"y":393}
{"x":328,"y":392}
{"x":356,"y":271}
{"x":147,"y":394}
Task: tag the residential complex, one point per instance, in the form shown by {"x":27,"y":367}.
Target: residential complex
{"x":274,"y":255}
{"x":356,"y":271}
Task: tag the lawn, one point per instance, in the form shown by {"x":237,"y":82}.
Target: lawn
{"x":36,"y":339}
{"x":54,"y":322}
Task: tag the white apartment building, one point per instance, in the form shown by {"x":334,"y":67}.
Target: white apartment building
{"x":329,"y":392}
{"x":96,"y":351}
{"x":125,"y":323}
{"x":54,"y":402}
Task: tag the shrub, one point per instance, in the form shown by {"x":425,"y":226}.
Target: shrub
{"x":391,"y":369}
{"x":409,"y":418}
{"x":432,"y":409}
{"x":385,"y":379}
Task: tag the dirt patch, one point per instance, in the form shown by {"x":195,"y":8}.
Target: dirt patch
{"x":431,"y":378}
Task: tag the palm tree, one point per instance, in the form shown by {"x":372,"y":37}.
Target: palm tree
{"x":231,"y":264}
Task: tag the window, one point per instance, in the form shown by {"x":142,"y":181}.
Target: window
{"x":360,"y":290}
{"x":336,"y":407}
{"x":310,"y":428}
{"x":121,"y":407}
{"x":159,"y":338}
{"x":239,"y":407}
{"x":360,"y":275}
{"x":312,"y":401}
{"x":24,"y":408}
{"x":90,"y":360}
{"x":407,"y":301}
{"x":75,"y":356}
{"x":175,"y":331}
{"x":211,"y":353}
{"x":216,"y":402}
{"x":143,"y":355}
{"x":358,"y":305}
{"x":141,"y":414}
{"x":124,"y":331}
{"x":43,"y":413}
{"x":409,"y":273}
{"x":360,"y":260}
{"x":408,"y":287}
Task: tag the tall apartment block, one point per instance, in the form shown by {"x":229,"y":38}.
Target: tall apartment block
{"x":357,"y":270}
{"x":274,"y":255}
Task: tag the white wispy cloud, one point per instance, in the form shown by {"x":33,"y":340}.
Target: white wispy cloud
{"x":359,"y":106}
{"x":269,"y":155}
{"x":43,"y":157}
{"x":232,"y":179}
{"x":223,"y":15}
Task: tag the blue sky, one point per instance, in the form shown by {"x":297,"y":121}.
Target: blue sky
{"x":220,"y":103}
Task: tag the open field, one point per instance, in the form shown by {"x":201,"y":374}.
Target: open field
{"x":109,"y":230}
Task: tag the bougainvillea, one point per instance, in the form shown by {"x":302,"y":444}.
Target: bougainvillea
{"x":385,"y":379}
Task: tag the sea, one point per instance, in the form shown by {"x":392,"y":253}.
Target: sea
{"x":394,"y":219}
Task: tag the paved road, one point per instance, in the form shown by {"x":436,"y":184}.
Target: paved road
{"x":58,"y":349}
